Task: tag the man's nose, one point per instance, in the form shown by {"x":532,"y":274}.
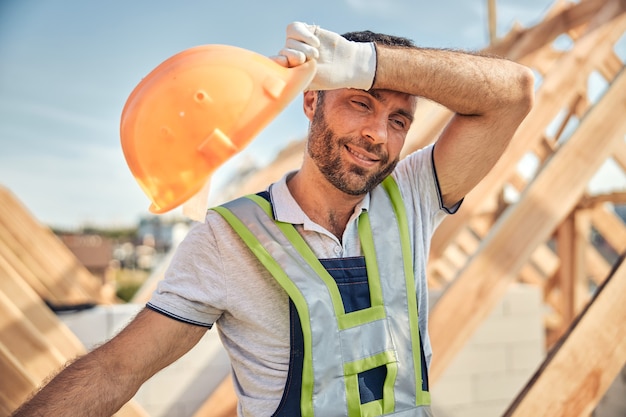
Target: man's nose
{"x":375,"y":129}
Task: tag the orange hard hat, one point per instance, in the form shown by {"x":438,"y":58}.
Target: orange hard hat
{"x":195,"y":111}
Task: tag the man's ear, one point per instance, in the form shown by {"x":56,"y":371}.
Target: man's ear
{"x":309,"y":103}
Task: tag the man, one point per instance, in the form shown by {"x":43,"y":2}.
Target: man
{"x":317,"y":286}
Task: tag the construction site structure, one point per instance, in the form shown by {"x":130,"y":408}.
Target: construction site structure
{"x":547,"y":216}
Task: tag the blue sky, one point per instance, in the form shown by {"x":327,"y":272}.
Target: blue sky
{"x":68,"y":66}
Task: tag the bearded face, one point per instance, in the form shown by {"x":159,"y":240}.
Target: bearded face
{"x":327,"y":150}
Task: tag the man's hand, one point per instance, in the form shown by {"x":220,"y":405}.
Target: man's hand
{"x":340,"y":63}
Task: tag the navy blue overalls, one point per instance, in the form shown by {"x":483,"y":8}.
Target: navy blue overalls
{"x":376,"y":375}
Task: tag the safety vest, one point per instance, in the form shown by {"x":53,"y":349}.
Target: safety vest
{"x":341,"y":346}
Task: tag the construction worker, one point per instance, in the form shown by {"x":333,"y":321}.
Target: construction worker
{"x":318,"y":284}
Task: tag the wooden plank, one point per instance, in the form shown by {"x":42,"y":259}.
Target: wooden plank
{"x":28,"y":357}
{"x":571,"y":240}
{"x":620,"y":156}
{"x":533,"y":46}
{"x":559,"y":88}
{"x":578,"y":372}
{"x":566,"y":249}
{"x":431,"y":118}
{"x":543,"y":149}
{"x":443,"y":270}
{"x":597,"y":267}
{"x":582,"y":236}
{"x":44,"y":254}
{"x":15,"y":385}
{"x":455,"y":256}
{"x":492,"y":18}
{"x":37,"y":313}
{"x":564,"y":18}
{"x":610,"y":66}
{"x":615,"y":197}
{"x":611,"y":227}
{"x":25,"y":342}
{"x":545,"y":260}
{"x":524,"y":226}
{"x":10,"y":258}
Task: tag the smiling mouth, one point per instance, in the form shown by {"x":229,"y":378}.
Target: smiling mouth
{"x":362,"y":157}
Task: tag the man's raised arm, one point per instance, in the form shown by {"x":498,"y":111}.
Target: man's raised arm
{"x":489,"y":96}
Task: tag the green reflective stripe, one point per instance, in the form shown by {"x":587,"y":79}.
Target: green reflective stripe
{"x":311,"y":267}
{"x":294,"y":293}
{"x":344,"y":320}
{"x":367,"y":246}
{"x":378,"y":407}
{"x":389,"y":403}
{"x":372,"y":409}
{"x":359,"y":317}
{"x":352,"y":388}
{"x":423,"y":397}
{"x":369,"y":362}
{"x":307,"y":254}
{"x":390,"y":185}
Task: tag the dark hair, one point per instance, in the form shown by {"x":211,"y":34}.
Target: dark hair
{"x":378,"y":38}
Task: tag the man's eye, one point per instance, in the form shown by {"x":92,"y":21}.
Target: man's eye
{"x":361,"y":104}
{"x":399,"y":123}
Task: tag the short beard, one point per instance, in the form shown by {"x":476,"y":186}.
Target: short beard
{"x":320,"y":148}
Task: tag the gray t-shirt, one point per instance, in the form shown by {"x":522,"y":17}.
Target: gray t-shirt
{"x":214,"y":278}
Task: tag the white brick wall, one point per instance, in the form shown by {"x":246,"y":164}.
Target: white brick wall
{"x":497,"y":361}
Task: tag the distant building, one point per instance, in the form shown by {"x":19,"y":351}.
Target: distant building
{"x":95,"y":252}
{"x":159,"y":232}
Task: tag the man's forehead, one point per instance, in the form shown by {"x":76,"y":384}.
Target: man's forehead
{"x":406,"y":102}
{"x":384,"y":95}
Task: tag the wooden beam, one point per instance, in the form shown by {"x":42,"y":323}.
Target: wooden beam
{"x":24,"y":341}
{"x":610,"y":66}
{"x":610,"y":227}
{"x":620,"y":156}
{"x":33,"y":342}
{"x":524,"y":226}
{"x":566,"y":249}
{"x":617,"y":197}
{"x":545,"y":260}
{"x":572,"y":238}
{"x":521,"y":45}
{"x":557,"y":91}
{"x":577,"y":373}
{"x":37,"y":313}
{"x":564,"y":18}
{"x":28,"y":357}
{"x":44,"y":255}
{"x":493,"y":20}
{"x":16,"y":384}
{"x":597,"y":267}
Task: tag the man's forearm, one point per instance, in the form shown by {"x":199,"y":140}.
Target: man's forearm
{"x":467,"y":84}
{"x":86,"y":387}
{"x":101,"y":382}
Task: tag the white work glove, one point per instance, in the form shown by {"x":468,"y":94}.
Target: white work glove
{"x":340,"y":62}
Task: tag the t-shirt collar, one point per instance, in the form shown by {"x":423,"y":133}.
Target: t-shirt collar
{"x":287,"y":210}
